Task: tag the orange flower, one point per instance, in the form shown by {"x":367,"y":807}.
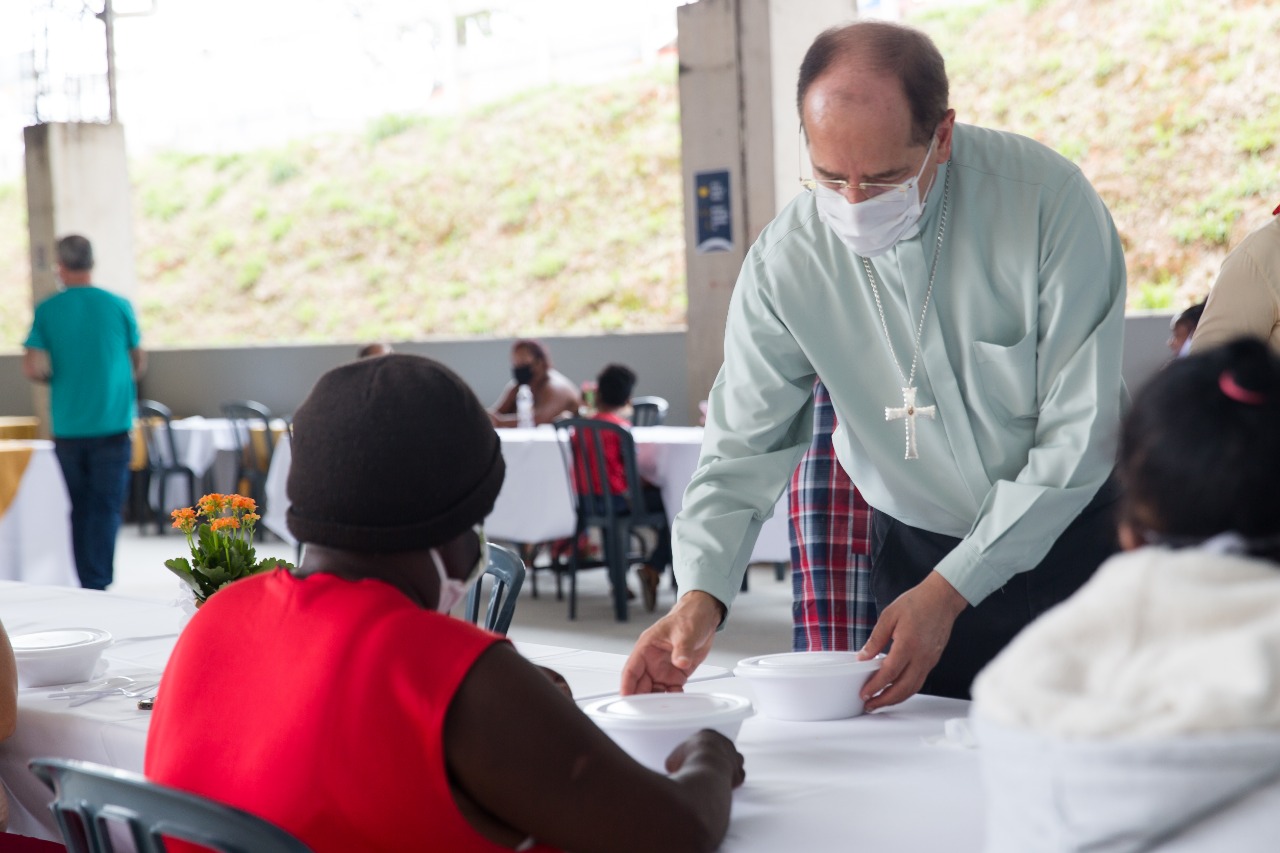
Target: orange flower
{"x":212,"y":504}
{"x":251,"y":516}
{"x":219,"y":523}
{"x":184,"y":519}
{"x":241,"y":502}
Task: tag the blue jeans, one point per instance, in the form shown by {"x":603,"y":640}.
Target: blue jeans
{"x":96,"y":471}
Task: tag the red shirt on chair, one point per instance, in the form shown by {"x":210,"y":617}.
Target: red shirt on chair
{"x":585,"y":462}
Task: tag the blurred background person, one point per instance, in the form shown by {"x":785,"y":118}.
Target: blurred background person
{"x":613,"y":405}
{"x":84,"y":343}
{"x":1245,"y":300}
{"x":1182,"y":327}
{"x":374,"y":349}
{"x":554,"y":395}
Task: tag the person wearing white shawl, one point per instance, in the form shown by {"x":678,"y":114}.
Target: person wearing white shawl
{"x":1143,"y":713}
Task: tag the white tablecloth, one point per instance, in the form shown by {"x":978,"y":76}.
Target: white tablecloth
{"x":536,"y":505}
{"x":198,"y":441}
{"x":35,"y":531}
{"x":870,"y":783}
{"x":668,"y":456}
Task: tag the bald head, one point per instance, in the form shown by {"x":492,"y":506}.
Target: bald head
{"x":845,"y":58}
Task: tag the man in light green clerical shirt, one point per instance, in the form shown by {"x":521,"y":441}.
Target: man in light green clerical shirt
{"x":961,"y":293}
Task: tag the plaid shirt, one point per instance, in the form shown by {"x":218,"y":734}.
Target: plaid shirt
{"x":832,"y":606}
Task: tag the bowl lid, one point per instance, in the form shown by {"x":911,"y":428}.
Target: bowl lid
{"x":62,"y":640}
{"x":669,"y":710}
{"x":806,"y":665}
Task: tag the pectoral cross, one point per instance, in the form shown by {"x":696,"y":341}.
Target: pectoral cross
{"x":908,"y":410}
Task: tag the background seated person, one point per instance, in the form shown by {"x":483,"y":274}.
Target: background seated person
{"x":554,"y":396}
{"x":1144,"y":711}
{"x":342,"y":702}
{"x":1181,"y":329}
{"x":1245,"y":299}
{"x":613,"y":405}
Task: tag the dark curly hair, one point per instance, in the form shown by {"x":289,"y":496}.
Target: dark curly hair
{"x":1200,"y":450}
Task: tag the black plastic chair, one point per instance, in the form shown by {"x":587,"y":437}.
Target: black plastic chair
{"x":648,"y":411}
{"x":616,"y":516}
{"x":90,"y":799}
{"x":506,"y":571}
{"x":252,"y":461}
{"x":162,"y":463}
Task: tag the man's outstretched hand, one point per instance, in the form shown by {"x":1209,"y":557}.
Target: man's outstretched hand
{"x":670,"y":650}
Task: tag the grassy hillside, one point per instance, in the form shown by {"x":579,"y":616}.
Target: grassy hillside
{"x":560,"y":210}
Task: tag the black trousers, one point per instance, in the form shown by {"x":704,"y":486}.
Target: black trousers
{"x":902,"y":556}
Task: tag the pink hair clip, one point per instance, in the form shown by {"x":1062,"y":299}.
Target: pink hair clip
{"x":1236,"y":392}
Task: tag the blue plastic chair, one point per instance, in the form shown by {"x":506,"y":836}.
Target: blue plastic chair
{"x":90,"y":799}
{"x":506,"y":571}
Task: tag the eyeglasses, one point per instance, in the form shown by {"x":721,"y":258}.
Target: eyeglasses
{"x":881,"y":192}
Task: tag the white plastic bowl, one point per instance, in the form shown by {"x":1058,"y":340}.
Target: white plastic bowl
{"x":808,"y":685}
{"x":649,"y":726}
{"x":65,"y":656}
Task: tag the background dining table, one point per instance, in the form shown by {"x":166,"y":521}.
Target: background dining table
{"x":35,"y":515}
{"x":535,"y":503}
{"x":207,"y":446}
{"x":887,"y":781}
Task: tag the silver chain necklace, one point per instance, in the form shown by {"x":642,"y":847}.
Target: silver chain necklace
{"x":908,"y":411}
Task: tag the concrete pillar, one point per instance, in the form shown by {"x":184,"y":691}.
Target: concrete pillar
{"x":740,"y":145}
{"x":78,"y":183}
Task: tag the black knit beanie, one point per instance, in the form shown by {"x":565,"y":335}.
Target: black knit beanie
{"x":391,"y":454}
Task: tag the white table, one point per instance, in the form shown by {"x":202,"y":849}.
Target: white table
{"x":208,"y":447}
{"x":535,"y":503}
{"x":113,"y":731}
{"x":870,"y":783}
{"x":35,"y":530}
{"x":668,"y":457}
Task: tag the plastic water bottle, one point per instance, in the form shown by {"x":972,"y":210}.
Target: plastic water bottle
{"x":524,"y":407}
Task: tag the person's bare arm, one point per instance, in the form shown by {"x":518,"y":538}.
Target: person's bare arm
{"x":8,"y":687}
{"x":568,"y":784}
{"x":561,"y":399}
{"x":35,"y":365}
{"x":503,"y":412}
{"x":138,"y":358}
{"x":8,"y":707}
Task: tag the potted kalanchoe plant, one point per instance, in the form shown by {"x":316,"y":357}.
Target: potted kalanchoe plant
{"x":219,"y":533}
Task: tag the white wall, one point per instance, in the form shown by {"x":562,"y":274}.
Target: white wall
{"x":194,"y":382}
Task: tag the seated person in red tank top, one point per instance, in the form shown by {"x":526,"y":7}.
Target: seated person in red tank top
{"x":344,"y":704}
{"x":613,"y":404}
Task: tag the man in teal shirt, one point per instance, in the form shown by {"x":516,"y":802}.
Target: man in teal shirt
{"x":961,"y":293}
{"x":84,"y":342}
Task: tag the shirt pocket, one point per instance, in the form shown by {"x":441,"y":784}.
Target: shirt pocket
{"x":1008,"y":375}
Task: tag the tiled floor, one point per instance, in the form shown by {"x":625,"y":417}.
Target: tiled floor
{"x":760,"y":622}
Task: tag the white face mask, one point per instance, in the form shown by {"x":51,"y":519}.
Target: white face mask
{"x":871,"y":227}
{"x":453,"y":590}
